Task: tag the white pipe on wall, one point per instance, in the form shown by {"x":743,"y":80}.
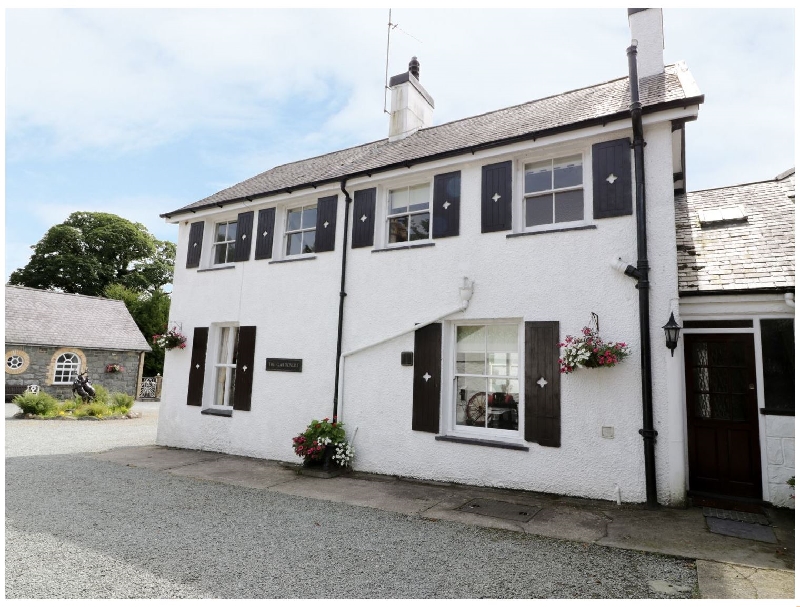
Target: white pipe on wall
{"x":464,"y":292}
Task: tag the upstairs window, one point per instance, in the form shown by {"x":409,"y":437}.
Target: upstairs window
{"x":409,"y":214}
{"x":554,"y":191}
{"x":301,"y":230}
{"x":225,"y":242}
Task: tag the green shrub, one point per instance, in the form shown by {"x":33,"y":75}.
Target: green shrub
{"x":101,"y":395}
{"x":37,"y":404}
{"x":91,"y":409}
{"x":121,"y":403}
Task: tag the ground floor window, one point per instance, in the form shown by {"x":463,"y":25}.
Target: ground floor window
{"x":67,"y":367}
{"x":777,"y":352}
{"x":225,"y":365}
{"x":487,"y":377}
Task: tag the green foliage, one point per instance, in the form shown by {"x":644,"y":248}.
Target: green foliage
{"x":120,"y":402}
{"x":91,"y":409}
{"x":790,"y":482}
{"x":310,"y":445}
{"x":90,"y":251}
{"x":37,"y":404}
{"x":150,"y":311}
{"x":101,"y":395}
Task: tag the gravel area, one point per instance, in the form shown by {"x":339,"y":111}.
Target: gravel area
{"x":77,"y":527}
{"x":25,"y":437}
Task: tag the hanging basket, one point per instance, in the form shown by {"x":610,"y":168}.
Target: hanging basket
{"x":588,"y":349}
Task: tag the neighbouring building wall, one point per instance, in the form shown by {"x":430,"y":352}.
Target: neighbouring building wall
{"x":780,"y":459}
{"x":38,"y":367}
{"x":776,"y":431}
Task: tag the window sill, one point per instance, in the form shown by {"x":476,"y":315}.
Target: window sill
{"x":404,"y":247}
{"x":483,"y":442}
{"x":218,"y":412}
{"x":765,"y":411}
{"x":294,"y":259}
{"x":226,"y":267}
{"x":589,"y":227}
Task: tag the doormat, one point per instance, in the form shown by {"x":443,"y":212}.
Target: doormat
{"x":505,"y":510}
{"x":735,"y":515}
{"x":747,"y":531}
{"x":726,"y":504}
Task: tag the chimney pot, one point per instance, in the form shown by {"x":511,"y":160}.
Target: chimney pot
{"x":413,"y":67}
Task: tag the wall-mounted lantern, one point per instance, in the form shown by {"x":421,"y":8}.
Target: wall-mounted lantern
{"x":672,"y":330}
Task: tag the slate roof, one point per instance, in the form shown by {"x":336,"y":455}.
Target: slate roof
{"x":47,"y":318}
{"x":580,"y":108}
{"x":752,"y":255}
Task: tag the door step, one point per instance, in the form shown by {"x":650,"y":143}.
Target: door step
{"x":723,"y":503}
{"x":735,"y":515}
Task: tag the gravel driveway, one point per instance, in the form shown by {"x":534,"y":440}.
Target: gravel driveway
{"x":77,"y":527}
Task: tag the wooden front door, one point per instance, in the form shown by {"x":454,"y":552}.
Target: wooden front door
{"x":722,"y":415}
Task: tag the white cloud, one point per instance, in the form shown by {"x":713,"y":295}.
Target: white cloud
{"x":118,"y":80}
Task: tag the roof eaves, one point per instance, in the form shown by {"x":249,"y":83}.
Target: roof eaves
{"x":533,"y":135}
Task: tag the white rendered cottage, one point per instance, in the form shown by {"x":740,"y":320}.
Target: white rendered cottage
{"x":469,"y":250}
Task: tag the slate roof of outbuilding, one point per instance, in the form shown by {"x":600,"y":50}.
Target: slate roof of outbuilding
{"x":753,"y":255}
{"x":46,"y":318}
{"x":596,"y":104}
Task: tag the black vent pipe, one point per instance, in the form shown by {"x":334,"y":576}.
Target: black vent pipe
{"x":648,"y":432}
{"x":342,"y":295}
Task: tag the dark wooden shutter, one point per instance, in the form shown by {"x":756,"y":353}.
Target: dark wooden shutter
{"x":496,"y":197}
{"x":264,"y":233}
{"x":195,"y":244}
{"x":363,"y":218}
{"x":427,"y":364}
{"x":244,"y":235}
{"x":197,"y":371}
{"x":611,"y":173}
{"x":325,"y":239}
{"x":542,"y":400}
{"x":446,"y":204}
{"x":245,"y":367}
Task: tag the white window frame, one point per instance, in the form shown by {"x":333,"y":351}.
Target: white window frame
{"x":450,"y":381}
{"x":61,"y":365}
{"x":552,"y":157}
{"x":215,"y":244}
{"x":229,"y":365}
{"x":388,"y":216}
{"x":287,"y":232}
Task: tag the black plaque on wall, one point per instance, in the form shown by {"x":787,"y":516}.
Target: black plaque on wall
{"x":292,"y":365}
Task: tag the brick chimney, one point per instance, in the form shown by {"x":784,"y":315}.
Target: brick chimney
{"x":647,"y":27}
{"x":411,"y":105}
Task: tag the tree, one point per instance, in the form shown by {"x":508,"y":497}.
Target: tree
{"x":106,"y":255}
{"x":90,"y":251}
{"x":150,"y":312}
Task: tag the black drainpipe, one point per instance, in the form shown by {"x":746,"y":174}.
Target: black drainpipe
{"x":342,"y":295}
{"x":643,"y":285}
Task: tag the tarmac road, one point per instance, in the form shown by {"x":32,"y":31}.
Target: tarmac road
{"x":81,"y":527}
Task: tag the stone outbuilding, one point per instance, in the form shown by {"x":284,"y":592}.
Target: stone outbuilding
{"x":51,"y":337}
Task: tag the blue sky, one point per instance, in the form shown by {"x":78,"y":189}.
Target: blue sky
{"x":140,"y":112}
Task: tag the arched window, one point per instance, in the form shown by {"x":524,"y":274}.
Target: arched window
{"x":67,"y":368}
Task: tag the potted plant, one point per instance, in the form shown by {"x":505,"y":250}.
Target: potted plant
{"x":590,"y":351}
{"x":170,"y":340}
{"x":324,"y":444}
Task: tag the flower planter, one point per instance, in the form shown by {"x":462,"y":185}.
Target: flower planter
{"x":325,"y":462}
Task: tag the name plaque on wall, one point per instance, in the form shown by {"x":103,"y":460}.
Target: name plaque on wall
{"x":293,"y":365}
